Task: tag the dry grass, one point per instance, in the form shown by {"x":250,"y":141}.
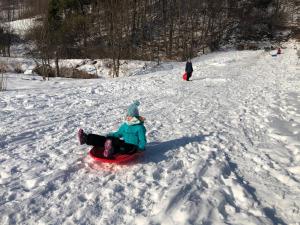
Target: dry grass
{"x":18,"y":69}
{"x":64,"y":72}
{"x":297,"y":36}
{"x":247,"y":46}
{"x":44,"y":71}
{"x":75,"y":73}
{"x":3,"y":79}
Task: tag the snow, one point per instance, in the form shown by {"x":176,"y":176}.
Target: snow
{"x":20,"y":27}
{"x":223,"y":148}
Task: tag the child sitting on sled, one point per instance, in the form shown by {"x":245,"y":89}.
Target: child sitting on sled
{"x":130,"y":137}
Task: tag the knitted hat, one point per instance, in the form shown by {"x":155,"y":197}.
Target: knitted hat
{"x":133,"y":109}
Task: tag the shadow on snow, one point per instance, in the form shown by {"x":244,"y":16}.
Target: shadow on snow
{"x":156,"y":151}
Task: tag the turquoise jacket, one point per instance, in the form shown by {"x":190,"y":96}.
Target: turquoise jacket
{"x":132,"y":132}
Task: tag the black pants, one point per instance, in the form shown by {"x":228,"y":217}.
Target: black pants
{"x":189,"y":76}
{"x":119,"y":145}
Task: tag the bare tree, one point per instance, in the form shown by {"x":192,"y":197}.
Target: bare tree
{"x":151,"y":29}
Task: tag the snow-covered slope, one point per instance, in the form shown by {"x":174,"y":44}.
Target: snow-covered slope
{"x":223,"y":148}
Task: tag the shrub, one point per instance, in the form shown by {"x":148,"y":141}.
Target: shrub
{"x":66,"y":72}
{"x":3,"y":79}
{"x":296,"y":34}
{"x":247,"y":46}
{"x":240,"y":47}
{"x":18,"y":69}
{"x":75,"y":73}
{"x":44,"y":71}
{"x":3,"y":82}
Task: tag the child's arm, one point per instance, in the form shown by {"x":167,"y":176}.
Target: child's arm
{"x":118,"y":133}
{"x":142,"y":138}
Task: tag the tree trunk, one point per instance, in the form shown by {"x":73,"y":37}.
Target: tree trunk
{"x":57,"y":65}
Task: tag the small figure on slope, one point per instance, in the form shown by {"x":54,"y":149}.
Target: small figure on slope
{"x":278,"y":51}
{"x":189,"y":69}
{"x":130,"y":137}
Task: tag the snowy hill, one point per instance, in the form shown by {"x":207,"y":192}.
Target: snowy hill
{"x":222,"y":149}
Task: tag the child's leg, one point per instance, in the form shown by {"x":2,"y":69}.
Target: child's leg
{"x":189,"y":76}
{"x":95,"y":140}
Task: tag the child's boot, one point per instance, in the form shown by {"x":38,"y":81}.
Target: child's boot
{"x":108,"y":149}
{"x":82,"y":137}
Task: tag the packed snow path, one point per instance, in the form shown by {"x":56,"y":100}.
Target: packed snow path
{"x":223,"y":148}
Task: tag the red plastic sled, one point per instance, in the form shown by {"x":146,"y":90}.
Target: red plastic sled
{"x":184,"y":77}
{"x":97,"y":154}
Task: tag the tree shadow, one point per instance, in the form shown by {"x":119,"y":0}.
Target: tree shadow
{"x":156,"y":151}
